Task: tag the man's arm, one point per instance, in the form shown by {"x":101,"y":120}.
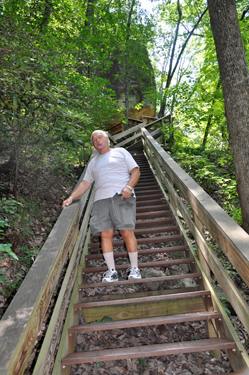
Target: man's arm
{"x":135,"y":174}
{"x":78,"y":192}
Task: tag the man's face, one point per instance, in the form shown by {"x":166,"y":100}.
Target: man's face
{"x":100,"y":142}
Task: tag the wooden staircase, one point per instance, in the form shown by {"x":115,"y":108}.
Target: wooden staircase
{"x":159,"y":237}
{"x":175,"y":220}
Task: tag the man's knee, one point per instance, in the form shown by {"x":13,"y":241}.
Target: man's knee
{"x":127,"y":233}
{"x":107,"y":234}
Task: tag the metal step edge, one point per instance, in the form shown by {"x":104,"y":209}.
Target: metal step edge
{"x":124,"y":254}
{"x":164,"y":263}
{"x":147,"y":231}
{"x":148,"y":351}
{"x":144,"y":322}
{"x":147,"y":299}
{"x":143,"y":281}
{"x":142,"y":241}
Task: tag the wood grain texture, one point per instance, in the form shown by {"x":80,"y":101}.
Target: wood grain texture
{"x":233,"y":240}
{"x":22,"y":321}
{"x":66,"y":345}
{"x":48,"y":350}
{"x":210,"y":261}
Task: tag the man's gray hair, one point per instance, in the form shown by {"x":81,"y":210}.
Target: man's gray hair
{"x":103,"y":133}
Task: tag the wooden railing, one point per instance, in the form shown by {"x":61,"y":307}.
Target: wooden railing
{"x":201,"y":213}
{"x":23,"y":319}
{"x":149,"y":119}
{"x":133,"y":121}
{"x":134,"y":134}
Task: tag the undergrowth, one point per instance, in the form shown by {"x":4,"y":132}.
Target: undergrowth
{"x":25,"y":223}
{"x":213,"y":170}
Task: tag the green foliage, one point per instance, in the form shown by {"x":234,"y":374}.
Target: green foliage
{"x":10,"y":212}
{"x":225,"y":301}
{"x":3,"y":224}
{"x":53,"y":94}
{"x":47,"y":105}
{"x":143,"y":362}
{"x":9,"y":286}
{"x":28,"y":255}
{"x":106,"y":319}
{"x":213,"y":171}
{"x":6,"y":247}
{"x":103,"y":320}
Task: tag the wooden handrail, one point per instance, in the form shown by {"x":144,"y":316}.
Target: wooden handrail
{"x":134,"y":119}
{"x":23,"y":319}
{"x":149,"y":117}
{"x":136,"y":128}
{"x":232,"y":239}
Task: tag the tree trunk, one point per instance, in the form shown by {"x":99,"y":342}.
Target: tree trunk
{"x":46,"y":15}
{"x":127,"y":79}
{"x":208,"y":126}
{"x":235,"y":84}
{"x":172,"y":70}
{"x":88,"y":24}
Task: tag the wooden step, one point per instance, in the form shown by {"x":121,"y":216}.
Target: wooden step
{"x":142,"y":241}
{"x":158,"y":222}
{"x":158,"y":250}
{"x":150,"y":185}
{"x":122,"y":267}
{"x":150,"y":196}
{"x":151,"y":202}
{"x":145,"y":179}
{"x":145,"y":322}
{"x":166,"y":229}
{"x":137,"y":300}
{"x":141,"y":184}
{"x":145,"y":231}
{"x":145,"y":191}
{"x":148,"y":351}
{"x":146,"y":175}
{"x":154,"y":215}
{"x":161,"y":207}
{"x":143,"y":281}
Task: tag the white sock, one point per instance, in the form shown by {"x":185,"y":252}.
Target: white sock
{"x":109,"y":259}
{"x":133,"y":259}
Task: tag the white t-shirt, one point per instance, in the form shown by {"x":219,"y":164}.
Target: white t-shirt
{"x":110,"y":172}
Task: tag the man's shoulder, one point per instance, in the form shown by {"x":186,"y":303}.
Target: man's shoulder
{"x":92,"y":161}
{"x":121,"y":150}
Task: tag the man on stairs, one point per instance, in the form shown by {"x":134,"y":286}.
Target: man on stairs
{"x":115,"y":174}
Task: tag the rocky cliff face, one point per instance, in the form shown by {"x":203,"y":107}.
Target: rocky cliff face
{"x":140,"y":80}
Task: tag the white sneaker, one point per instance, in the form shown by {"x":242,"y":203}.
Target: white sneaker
{"x":134,"y":273}
{"x":110,"y":276}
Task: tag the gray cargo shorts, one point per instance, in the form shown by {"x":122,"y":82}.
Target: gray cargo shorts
{"x":113,"y":213}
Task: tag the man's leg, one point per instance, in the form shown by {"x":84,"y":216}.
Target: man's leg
{"x":131,"y":245}
{"x":107,"y":248}
{"x":130,"y":240}
{"x":106,"y":241}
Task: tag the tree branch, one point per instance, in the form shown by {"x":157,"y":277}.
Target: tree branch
{"x":244,"y":13}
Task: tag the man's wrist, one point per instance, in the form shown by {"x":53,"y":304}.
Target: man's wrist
{"x":71,"y":197}
{"x":129,"y":187}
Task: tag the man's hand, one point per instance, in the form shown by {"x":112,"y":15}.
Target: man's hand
{"x":126,"y":193}
{"x":78,"y":192}
{"x":67,"y":202}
